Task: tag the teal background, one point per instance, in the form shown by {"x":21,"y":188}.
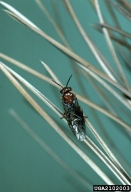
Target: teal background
{"x":24,"y":165}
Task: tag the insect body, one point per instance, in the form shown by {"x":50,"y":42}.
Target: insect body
{"x":73,"y":112}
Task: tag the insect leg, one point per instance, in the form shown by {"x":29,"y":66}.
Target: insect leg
{"x":63,"y":116}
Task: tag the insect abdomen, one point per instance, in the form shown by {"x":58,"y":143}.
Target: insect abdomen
{"x":74,"y":116}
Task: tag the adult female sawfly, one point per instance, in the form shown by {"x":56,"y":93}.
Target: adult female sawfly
{"x":73,"y":113}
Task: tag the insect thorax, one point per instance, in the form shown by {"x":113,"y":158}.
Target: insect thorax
{"x":69,"y":103}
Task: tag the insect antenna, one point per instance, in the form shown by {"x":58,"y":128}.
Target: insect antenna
{"x":68,"y":80}
{"x":57,"y":83}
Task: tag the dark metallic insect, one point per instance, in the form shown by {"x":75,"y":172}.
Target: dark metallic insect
{"x":73,"y":112}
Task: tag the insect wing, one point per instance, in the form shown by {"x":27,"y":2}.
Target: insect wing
{"x":78,"y":124}
{"x":76,"y":121}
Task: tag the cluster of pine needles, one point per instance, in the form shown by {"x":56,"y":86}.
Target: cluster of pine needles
{"x":113,"y":81}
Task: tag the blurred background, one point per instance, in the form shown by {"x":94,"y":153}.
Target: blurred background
{"x":24,"y":165}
